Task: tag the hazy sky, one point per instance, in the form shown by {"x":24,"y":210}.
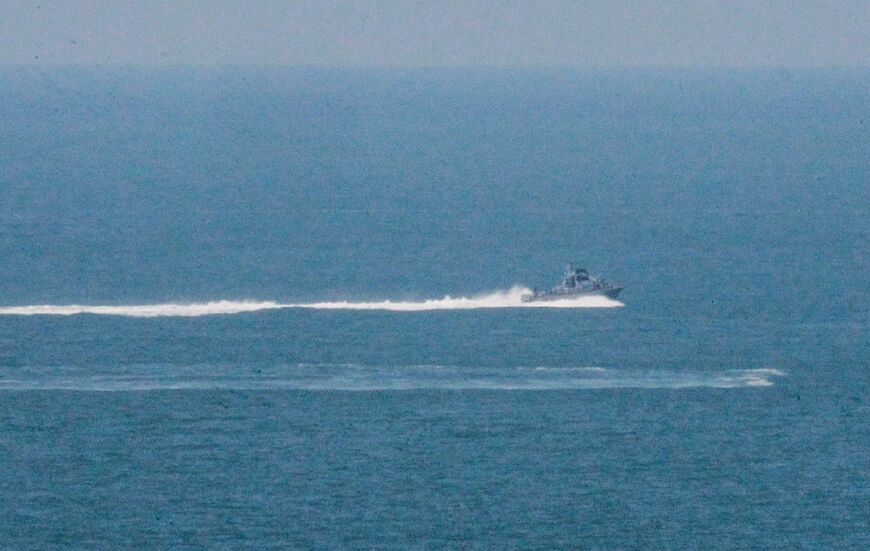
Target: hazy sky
{"x":447,"y":32}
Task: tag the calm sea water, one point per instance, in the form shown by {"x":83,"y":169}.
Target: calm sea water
{"x":724,"y":405}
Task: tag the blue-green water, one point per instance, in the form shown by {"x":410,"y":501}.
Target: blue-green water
{"x":724,"y":405}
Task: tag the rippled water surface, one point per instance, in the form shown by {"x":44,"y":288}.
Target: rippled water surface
{"x":280,"y":308}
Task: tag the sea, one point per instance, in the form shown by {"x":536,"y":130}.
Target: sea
{"x":270,"y":307}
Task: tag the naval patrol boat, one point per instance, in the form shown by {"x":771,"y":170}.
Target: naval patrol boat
{"x":576,"y":283}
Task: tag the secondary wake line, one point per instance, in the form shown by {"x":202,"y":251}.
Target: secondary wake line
{"x":498,"y":299}
{"x":352,"y":377}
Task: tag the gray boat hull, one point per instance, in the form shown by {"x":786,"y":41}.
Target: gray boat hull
{"x":550,"y":296}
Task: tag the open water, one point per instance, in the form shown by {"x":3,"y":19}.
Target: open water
{"x":279,"y":308}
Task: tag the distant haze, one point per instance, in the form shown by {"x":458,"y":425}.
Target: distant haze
{"x":465,"y":32}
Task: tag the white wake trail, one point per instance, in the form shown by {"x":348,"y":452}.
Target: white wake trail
{"x":498,"y":299}
{"x":144,"y":310}
{"x":362,"y":377}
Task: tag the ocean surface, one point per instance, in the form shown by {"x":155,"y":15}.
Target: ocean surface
{"x":279,"y":308}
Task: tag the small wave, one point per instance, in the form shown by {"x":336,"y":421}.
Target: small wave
{"x":498,"y":299}
{"x":749,"y":377}
{"x":765,"y":371}
{"x":546,"y":369}
{"x":757,"y":381}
